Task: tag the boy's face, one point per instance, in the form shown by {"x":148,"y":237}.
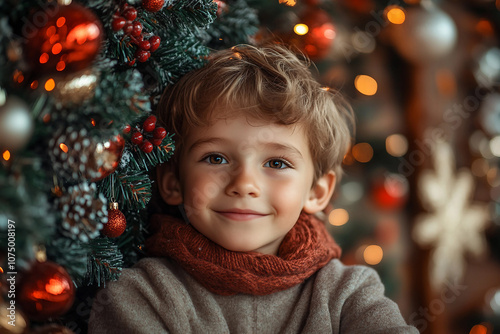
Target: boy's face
{"x":244,"y":182}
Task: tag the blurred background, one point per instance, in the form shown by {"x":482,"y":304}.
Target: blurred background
{"x":418,"y":202}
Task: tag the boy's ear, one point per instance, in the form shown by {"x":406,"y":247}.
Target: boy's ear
{"x":320,"y":193}
{"x":168,"y":185}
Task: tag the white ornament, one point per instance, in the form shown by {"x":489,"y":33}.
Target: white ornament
{"x":453,"y":226}
{"x":16,"y":124}
{"x":427,"y":34}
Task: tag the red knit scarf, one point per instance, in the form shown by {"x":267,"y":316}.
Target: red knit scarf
{"x":305,"y":249}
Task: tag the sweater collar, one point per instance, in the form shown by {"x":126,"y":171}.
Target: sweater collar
{"x":306,"y":248}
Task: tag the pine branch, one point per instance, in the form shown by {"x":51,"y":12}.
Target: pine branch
{"x":105,"y":262}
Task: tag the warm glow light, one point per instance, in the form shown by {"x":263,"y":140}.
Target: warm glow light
{"x":61,"y":21}
{"x":83,"y":32}
{"x":92,"y":121}
{"x":51,"y":31}
{"x":479,"y":167}
{"x":290,"y":3}
{"x":46,"y":118}
{"x":44,"y":58}
{"x":56,"y":286}
{"x":34,"y":84}
{"x":18,"y":76}
{"x":395,"y":15}
{"x":479,"y":329}
{"x":495,"y":146}
{"x":56,"y":48}
{"x":365,"y":85}
{"x":301,"y":29}
{"x":338,"y":217}
{"x":484,"y":27}
{"x":6,"y":155}
{"x":60,"y":66}
{"x":362,"y":152}
{"x":396,"y":145}
{"x":50,"y":85}
{"x":63,"y":147}
{"x":373,"y":254}
{"x":1,"y":270}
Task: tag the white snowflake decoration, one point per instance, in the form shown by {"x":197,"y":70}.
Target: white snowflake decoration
{"x":453,"y":225}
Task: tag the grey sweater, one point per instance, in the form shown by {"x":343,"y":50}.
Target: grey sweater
{"x":157,"y":296}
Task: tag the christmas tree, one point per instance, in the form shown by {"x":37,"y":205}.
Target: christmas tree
{"x":78,"y":86}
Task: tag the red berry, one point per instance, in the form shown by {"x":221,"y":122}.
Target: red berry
{"x":153,"y":5}
{"x":159,"y":133}
{"x":118,"y":23}
{"x":149,"y":124}
{"x":130,"y":13}
{"x":137,"y":28}
{"x":146,"y":146}
{"x":127,"y":129}
{"x":127,"y":29}
{"x":142,"y":55}
{"x":145,"y":45}
{"x":155,"y":43}
{"x":157,"y":141}
{"x":136,"y":138}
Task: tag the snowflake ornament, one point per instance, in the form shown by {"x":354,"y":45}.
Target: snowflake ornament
{"x":453,"y":225}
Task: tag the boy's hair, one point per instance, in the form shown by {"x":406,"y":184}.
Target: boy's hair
{"x":270,"y":83}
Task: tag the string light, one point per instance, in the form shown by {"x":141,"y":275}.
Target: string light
{"x":396,"y":145}
{"x":366,"y":85}
{"x":63,"y":147}
{"x":362,"y":152}
{"x":395,"y":14}
{"x":338,"y":217}
{"x":373,"y":254}
{"x":301,"y":29}
{"x":50,"y":84}
{"x":6,"y":155}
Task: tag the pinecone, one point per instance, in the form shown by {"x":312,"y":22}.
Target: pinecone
{"x":83,"y":215}
{"x":72,"y":155}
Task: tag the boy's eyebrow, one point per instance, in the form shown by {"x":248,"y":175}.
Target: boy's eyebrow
{"x":199,"y":142}
{"x":284,"y":147}
{"x":271,"y":145}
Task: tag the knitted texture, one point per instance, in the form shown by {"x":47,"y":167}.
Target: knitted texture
{"x":304,"y":250}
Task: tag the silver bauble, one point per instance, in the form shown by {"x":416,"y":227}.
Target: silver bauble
{"x":428,"y":34}
{"x":16,"y":124}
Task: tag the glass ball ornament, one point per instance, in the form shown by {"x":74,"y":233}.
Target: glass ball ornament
{"x":68,"y":42}
{"x":46,"y":290}
{"x":427,"y":34}
{"x":16,"y":124}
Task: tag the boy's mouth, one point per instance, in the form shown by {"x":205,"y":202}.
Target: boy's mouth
{"x":240,"y":214}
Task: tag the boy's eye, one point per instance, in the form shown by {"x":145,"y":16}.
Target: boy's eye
{"x":277,"y":164}
{"x":215,"y":159}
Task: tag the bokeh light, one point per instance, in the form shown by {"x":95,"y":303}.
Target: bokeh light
{"x":395,"y":14}
{"x":338,"y":217}
{"x":396,"y":145}
{"x":362,"y":152}
{"x":366,"y":85}
{"x":373,"y":254}
{"x":301,"y":29}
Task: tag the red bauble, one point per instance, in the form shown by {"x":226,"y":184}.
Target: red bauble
{"x":157,"y":141}
{"x":45,"y":291}
{"x":317,"y":42}
{"x":126,"y":129}
{"x":153,"y":5}
{"x":108,"y":155}
{"x":142,"y":56}
{"x":390,"y":192}
{"x":116,"y":224}
{"x":68,"y":42}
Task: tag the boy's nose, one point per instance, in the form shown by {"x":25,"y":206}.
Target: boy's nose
{"x":243,"y":183}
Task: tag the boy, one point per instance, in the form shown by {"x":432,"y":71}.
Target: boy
{"x":259,"y":146}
